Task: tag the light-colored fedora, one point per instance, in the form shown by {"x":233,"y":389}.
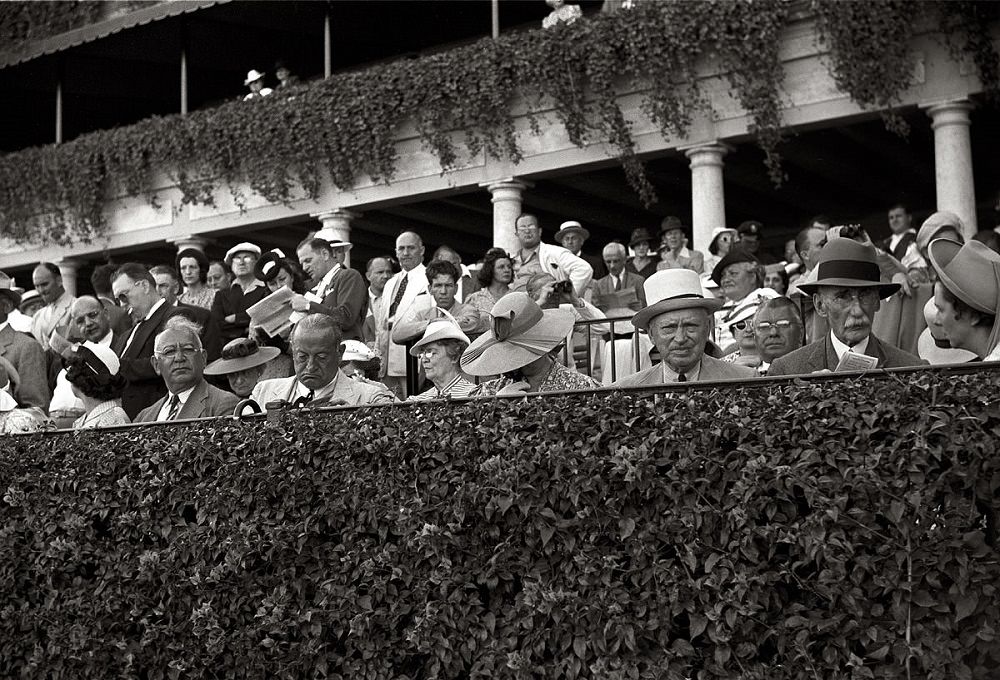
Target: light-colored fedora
{"x":971,"y":272}
{"x":942,"y":219}
{"x":331,"y":237}
{"x":253,"y":75}
{"x":239,"y":355}
{"x":244,"y":247}
{"x":569,"y":227}
{"x":520,"y":333}
{"x":440,"y":329}
{"x":845,"y":263}
{"x":671,"y":289}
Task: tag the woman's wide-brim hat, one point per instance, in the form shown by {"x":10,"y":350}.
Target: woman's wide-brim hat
{"x":845,"y":263}
{"x":640,"y":235}
{"x":671,"y":289}
{"x":239,"y":355}
{"x":440,"y":329}
{"x":520,"y":333}
{"x":571,"y":227}
{"x":971,"y":272}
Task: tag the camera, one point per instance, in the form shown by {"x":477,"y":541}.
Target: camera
{"x":563,"y":287}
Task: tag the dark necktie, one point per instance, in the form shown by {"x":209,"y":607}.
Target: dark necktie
{"x":174,"y":406}
{"x":618,"y":283}
{"x":681,"y":377}
{"x":398,"y":296}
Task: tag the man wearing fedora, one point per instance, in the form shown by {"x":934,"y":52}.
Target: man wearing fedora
{"x":847,"y":291}
{"x":22,"y":352}
{"x":679,"y":322}
{"x":340,"y":289}
{"x":179,"y":360}
{"x":967,"y":295}
{"x":534,"y":257}
{"x":230,"y":305}
{"x":674,"y":253}
{"x":572,"y":236}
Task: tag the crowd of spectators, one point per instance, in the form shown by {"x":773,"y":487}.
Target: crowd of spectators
{"x":188,"y":339}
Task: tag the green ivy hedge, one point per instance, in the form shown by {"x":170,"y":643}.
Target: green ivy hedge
{"x":836,"y":529}
{"x":22,"y":23}
{"x":345,"y":126}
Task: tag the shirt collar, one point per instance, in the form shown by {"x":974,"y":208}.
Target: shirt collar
{"x":156,"y":305}
{"x":245,"y":291}
{"x":106,"y":340}
{"x":324,"y":391}
{"x":525,"y":255}
{"x":4,"y":325}
{"x":183,"y":396}
{"x":670,"y":375}
{"x":840,"y":347}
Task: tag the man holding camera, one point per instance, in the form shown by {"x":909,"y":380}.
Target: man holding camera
{"x":533,"y":257}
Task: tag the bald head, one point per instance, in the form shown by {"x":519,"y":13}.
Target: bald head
{"x":90,"y":319}
{"x":409,"y":250}
{"x":47,"y":280}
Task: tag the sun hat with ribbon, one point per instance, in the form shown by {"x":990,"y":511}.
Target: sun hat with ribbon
{"x":244,"y":247}
{"x":845,"y":263}
{"x":253,"y":75}
{"x":239,"y":355}
{"x":942,"y":219}
{"x":520,"y":332}
{"x":101,"y":359}
{"x":671,"y":289}
{"x":570,"y":227}
{"x":440,"y":329}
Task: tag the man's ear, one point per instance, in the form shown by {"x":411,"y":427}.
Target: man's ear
{"x":819,"y":304}
{"x":155,"y":362}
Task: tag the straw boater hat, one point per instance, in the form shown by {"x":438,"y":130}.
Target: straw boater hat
{"x":570,"y":227}
{"x":239,"y":355}
{"x":942,"y":219}
{"x":253,"y":75}
{"x":244,"y":247}
{"x":520,"y":333}
{"x":671,"y":289}
{"x":331,"y":237}
{"x":29,"y":297}
{"x":11,"y":291}
{"x":845,"y":263}
{"x":440,"y":329}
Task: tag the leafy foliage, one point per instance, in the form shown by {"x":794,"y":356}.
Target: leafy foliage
{"x":833,"y":529}
{"x":345,"y":127}
{"x":24,"y":22}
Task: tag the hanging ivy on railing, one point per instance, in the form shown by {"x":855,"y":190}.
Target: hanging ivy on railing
{"x":22,"y":23}
{"x":346,"y":127}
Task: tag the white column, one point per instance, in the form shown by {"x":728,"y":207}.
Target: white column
{"x":189,"y":241}
{"x":708,"y":200}
{"x":68,"y":270}
{"x":953,"y":160}
{"x":506,"y":209}
{"x":338,"y":221}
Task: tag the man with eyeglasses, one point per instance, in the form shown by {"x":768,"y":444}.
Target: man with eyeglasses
{"x":178,"y":358}
{"x":847,"y":292}
{"x":230,"y":306}
{"x":135,"y":289}
{"x":533,"y":257}
{"x":776,"y":331}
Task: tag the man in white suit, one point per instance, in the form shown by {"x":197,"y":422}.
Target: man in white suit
{"x":404,"y":294}
{"x":316,"y":344}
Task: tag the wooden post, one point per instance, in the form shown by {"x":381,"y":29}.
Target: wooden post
{"x":327,"y":45}
{"x":496,"y":18}
{"x":59,"y":100}
{"x":184,"y":70}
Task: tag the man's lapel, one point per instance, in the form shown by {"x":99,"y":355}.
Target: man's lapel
{"x":874,"y":349}
{"x":194,"y":407}
{"x":826,"y":357}
{"x":146,"y":328}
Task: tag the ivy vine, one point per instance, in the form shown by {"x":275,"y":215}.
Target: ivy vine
{"x":345,"y":127}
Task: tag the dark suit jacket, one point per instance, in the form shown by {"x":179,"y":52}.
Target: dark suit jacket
{"x":346,"y":300}
{"x":144,"y":386}
{"x":820,"y":354}
{"x":629,"y":280}
{"x":27,"y":356}
{"x":233,"y":302}
{"x":210,"y":334}
{"x":205,"y":402}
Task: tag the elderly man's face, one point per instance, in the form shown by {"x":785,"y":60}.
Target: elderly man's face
{"x":316,"y":357}
{"x":218,"y":277}
{"x":776,"y":332}
{"x":573,"y":241}
{"x":178,"y":359}
{"x":243,"y":263}
{"x":849,"y":311}
{"x":409,"y":251}
{"x":528,"y":233}
{"x":615,"y":262}
{"x":738,"y":280}
{"x":680,"y":337}
{"x":90,"y":319}
{"x":315,"y":263}
{"x":137,"y":296}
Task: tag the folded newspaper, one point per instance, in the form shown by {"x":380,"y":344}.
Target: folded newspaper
{"x":274,"y":314}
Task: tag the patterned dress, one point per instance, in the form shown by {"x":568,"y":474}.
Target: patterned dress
{"x":457,"y":388}
{"x":559,"y":379}
{"x":203,"y":298}
{"x":106,"y":414}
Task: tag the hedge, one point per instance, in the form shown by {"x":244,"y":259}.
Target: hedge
{"x":831,"y":529}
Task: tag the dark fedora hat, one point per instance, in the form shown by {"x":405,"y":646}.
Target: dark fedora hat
{"x":845,"y":263}
{"x":735,"y":254}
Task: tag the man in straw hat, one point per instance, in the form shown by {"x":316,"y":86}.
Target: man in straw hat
{"x":518,"y":346}
{"x":967,"y":295}
{"x":847,"y":291}
{"x":678,"y":319}
{"x":23,"y":353}
{"x":571,"y":236}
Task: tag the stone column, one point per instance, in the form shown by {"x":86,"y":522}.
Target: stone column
{"x":339,"y":222}
{"x":189,"y":241}
{"x":708,"y":201}
{"x":68,"y":269}
{"x":953,"y":160}
{"x":506,"y":209}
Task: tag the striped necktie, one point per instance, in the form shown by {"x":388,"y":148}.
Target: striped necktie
{"x":174,"y":407}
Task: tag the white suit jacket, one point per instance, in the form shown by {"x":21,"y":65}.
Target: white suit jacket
{"x":416,"y":297}
{"x":570,"y":267}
